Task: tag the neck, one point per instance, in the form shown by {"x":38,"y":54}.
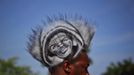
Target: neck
{"x":57,"y":71}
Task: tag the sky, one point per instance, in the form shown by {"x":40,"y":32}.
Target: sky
{"x":113,"y":20}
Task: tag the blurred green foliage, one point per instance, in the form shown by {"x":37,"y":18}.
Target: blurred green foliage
{"x":126,"y":67}
{"x":9,"y":67}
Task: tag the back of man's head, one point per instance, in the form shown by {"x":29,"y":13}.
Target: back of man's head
{"x":61,"y":42}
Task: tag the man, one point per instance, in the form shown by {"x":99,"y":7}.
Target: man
{"x":62,"y":46}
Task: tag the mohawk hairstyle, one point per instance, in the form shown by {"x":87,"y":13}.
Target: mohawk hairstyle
{"x":77,"y":24}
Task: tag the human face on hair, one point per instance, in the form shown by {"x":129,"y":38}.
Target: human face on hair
{"x":60,"y":44}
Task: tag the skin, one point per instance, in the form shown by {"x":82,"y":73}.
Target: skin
{"x":77,"y":66}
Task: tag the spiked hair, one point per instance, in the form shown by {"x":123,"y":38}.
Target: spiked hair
{"x":77,"y":31}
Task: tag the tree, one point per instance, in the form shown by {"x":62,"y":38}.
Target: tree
{"x":126,"y":67}
{"x":9,"y":67}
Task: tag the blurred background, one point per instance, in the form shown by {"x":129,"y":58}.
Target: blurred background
{"x":112,"y":46}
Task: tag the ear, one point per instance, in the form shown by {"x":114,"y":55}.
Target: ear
{"x":67,"y":66}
